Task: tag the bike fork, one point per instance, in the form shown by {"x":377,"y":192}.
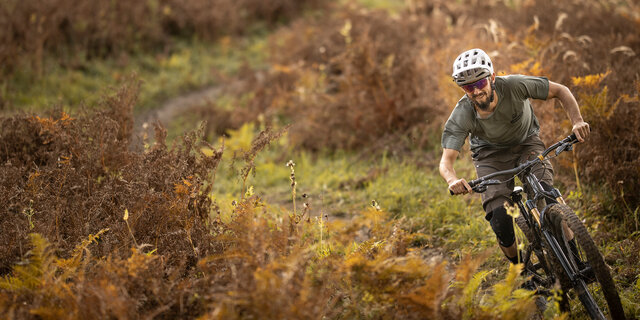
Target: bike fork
{"x":527,"y":214}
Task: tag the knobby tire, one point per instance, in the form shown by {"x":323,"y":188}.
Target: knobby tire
{"x":559,"y":212}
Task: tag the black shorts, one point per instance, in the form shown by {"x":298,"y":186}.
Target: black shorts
{"x":489,"y":160}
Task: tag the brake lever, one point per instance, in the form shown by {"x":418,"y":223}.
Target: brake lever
{"x":567,"y":146}
{"x":482,"y":186}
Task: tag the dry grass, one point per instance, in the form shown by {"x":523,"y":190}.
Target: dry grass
{"x":93,"y":230}
{"x":30,"y":31}
{"x":356,"y":79}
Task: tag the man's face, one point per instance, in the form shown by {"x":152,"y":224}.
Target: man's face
{"x":480,"y":93}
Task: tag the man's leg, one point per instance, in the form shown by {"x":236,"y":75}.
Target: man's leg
{"x":493,"y":200}
{"x":502,"y":225}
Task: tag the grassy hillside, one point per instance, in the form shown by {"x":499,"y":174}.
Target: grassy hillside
{"x":308,"y":188}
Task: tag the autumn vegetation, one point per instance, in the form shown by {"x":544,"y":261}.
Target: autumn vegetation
{"x":99,"y":222}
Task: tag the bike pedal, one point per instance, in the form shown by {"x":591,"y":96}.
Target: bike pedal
{"x":537,"y":266}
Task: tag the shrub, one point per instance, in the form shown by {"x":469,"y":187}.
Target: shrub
{"x":74,"y":31}
{"x":348,"y":81}
{"x":66,"y":177}
{"x":370,"y":80}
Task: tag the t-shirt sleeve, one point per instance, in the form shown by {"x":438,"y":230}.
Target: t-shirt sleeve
{"x":524,"y":87}
{"x":454,"y":134}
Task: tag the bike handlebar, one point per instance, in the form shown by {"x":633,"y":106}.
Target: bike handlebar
{"x":480,"y":185}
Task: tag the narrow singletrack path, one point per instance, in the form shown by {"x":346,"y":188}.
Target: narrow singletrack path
{"x":169,"y":110}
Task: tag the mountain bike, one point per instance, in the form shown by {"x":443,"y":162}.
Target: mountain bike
{"x":552,"y":255}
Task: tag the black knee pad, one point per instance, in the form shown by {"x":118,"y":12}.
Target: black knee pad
{"x":502,"y":225}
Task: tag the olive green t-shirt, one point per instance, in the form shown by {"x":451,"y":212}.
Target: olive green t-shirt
{"x":511,"y":122}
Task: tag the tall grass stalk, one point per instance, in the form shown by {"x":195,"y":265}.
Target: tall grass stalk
{"x":126,"y":220}
{"x":575,"y":169}
{"x":292,"y":177}
{"x":321,"y":225}
{"x":514,"y":213}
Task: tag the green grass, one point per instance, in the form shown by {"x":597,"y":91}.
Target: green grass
{"x":190,"y":65}
{"x":343,"y":185}
{"x":392,"y":6}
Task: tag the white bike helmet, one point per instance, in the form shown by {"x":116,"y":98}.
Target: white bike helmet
{"x":471,"y":66}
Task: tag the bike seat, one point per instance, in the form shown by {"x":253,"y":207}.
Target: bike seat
{"x":517,"y":190}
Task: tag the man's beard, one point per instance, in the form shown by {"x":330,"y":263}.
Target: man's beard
{"x":484,"y":106}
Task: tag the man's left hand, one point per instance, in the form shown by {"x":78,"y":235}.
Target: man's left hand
{"x":582,"y":130}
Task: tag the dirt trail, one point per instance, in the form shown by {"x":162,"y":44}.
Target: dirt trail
{"x":170,"y":110}
{"x":176,"y":106}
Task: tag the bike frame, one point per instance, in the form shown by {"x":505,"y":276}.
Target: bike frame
{"x":531,"y":213}
{"x":543,"y":238}
{"x":537,"y":224}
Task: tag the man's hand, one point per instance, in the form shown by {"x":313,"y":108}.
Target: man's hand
{"x":582,"y":130}
{"x":460,"y":186}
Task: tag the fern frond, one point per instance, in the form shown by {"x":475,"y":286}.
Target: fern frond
{"x":71,"y":265}
{"x":430,"y":296}
{"x":507,"y":302}
{"x":590,"y":81}
{"x":470,"y":291}
{"x":31,"y":274}
{"x":504,"y":288}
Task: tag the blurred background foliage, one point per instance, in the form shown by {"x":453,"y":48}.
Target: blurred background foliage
{"x":355,"y":92}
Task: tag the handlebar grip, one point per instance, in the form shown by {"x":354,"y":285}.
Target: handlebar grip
{"x":471,"y":183}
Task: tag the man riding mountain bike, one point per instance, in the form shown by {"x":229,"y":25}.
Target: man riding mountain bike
{"x":497,"y":116}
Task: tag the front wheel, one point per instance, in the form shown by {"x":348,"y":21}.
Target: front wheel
{"x":548,"y":263}
{"x":586,"y":262}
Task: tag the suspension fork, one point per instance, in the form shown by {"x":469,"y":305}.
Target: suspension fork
{"x":516,"y":197}
{"x":528,"y":212}
{"x":539,"y":191}
{"x":534,"y":245}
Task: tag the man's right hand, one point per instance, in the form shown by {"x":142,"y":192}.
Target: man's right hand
{"x":581,"y":130}
{"x":460,"y":186}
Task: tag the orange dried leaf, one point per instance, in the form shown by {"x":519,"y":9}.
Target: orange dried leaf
{"x":180,"y":189}
{"x":590,"y":81}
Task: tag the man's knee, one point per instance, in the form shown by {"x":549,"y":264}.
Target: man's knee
{"x":496,"y":202}
{"x":502,"y":225}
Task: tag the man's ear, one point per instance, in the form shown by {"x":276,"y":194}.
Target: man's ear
{"x":492,"y":82}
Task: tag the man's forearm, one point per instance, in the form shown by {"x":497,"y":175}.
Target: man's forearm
{"x":447,"y":172}
{"x":570,"y":105}
{"x":446,"y":165}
